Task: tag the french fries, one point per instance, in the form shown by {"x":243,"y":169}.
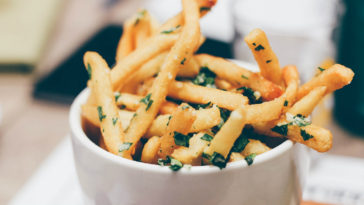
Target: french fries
{"x":111,"y":129}
{"x":268,"y":62}
{"x":239,"y":76}
{"x":335,"y":77}
{"x":139,"y":108}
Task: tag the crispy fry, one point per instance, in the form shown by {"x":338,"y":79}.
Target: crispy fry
{"x":239,"y":76}
{"x":150,"y":150}
{"x":292,"y":80}
{"x":193,"y":154}
{"x":223,"y":84}
{"x":335,"y":77}
{"x":306,"y":105}
{"x":264,"y":55}
{"x":125,"y":46}
{"x":111,"y":128}
{"x":229,"y":132}
{"x":201,"y":95}
{"x":183,"y":114}
{"x":236,"y":156}
{"x":183,"y":48}
{"x":205,"y":119}
{"x":256,"y":147}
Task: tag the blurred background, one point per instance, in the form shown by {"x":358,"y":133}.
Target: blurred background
{"x":41,"y":71}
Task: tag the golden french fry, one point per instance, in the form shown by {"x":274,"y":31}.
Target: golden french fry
{"x":292,"y":81}
{"x":268,"y":62}
{"x":180,"y":122}
{"x":201,"y":95}
{"x":239,"y":76}
{"x":126,"y":46}
{"x":191,"y":155}
{"x":205,"y":119}
{"x":335,"y":77}
{"x":265,"y":111}
{"x":229,"y":132}
{"x":150,"y":150}
{"x":182,"y":49}
{"x":111,"y":128}
{"x":255,"y":147}
{"x":306,"y":104}
{"x":223,"y":84}
{"x":127,"y":65}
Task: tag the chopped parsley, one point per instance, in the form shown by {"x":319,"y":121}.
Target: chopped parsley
{"x":204,"y":8}
{"x":146,"y":100}
{"x":175,"y":165}
{"x":298,"y":120}
{"x":243,"y":76}
{"x":117,"y":96}
{"x":139,"y":16}
{"x":169,"y":119}
{"x":122,"y":106}
{"x":254,"y":44}
{"x":205,"y":78}
{"x":305,"y":135}
{"x":250,"y":159}
{"x":321,"y":69}
{"x":218,"y":160}
{"x":281,"y":129}
{"x":207,"y":137}
{"x":171,"y":30}
{"x":185,"y":107}
{"x":181,"y":139}
{"x":101,"y":114}
{"x":285,"y":103}
{"x":224,"y":114}
{"x":89,"y":70}
{"x":125,"y":146}
{"x":268,"y":61}
{"x":183,"y":61}
{"x":240,"y":143}
{"x":259,"y":47}
{"x":250,"y":94}
{"x":114,"y":120}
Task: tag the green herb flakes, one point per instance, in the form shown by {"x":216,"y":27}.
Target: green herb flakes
{"x":146,"y":100}
{"x":174,"y":164}
{"x":117,"y":95}
{"x":251,"y":95}
{"x":89,"y":70}
{"x":285,"y":103}
{"x":259,"y":47}
{"x":183,"y":61}
{"x":181,"y":139}
{"x":205,"y":78}
{"x":125,"y":146}
{"x":171,"y":30}
{"x":203,"y":8}
{"x":114,"y":120}
{"x":218,"y":160}
{"x":281,"y":129}
{"x":101,"y":114}
{"x":140,"y":15}
{"x":207,"y":137}
{"x":268,"y":61}
{"x":240,"y":143}
{"x":298,"y":120}
{"x":169,"y":119}
{"x":243,"y":76}
{"x":305,"y":135}
{"x":321,"y":69}
{"x":250,"y":159}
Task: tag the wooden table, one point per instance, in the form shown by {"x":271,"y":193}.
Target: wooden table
{"x":30,"y":129}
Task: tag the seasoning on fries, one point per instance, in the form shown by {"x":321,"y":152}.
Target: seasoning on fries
{"x":163,"y":104}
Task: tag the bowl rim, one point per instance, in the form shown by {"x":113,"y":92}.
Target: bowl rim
{"x":78,"y":134}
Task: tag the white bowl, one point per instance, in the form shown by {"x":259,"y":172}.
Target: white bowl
{"x":275,"y":177}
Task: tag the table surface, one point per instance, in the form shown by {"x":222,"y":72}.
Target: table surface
{"x":30,"y":129}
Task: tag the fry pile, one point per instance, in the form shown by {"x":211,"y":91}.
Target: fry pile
{"x":163,"y":104}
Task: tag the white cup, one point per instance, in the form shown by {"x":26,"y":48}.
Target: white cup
{"x":275,"y":177}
